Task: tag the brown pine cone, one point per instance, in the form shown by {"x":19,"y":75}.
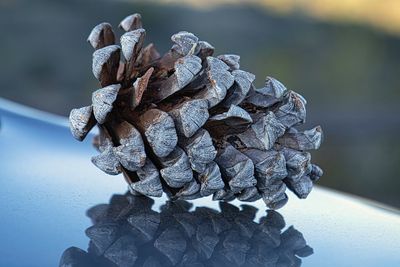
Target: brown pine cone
{"x":191,"y":125}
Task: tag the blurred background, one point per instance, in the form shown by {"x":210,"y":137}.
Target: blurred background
{"x":343,"y":56}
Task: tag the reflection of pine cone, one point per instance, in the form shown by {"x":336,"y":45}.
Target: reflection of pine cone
{"x":191,"y":124}
{"x":127,"y":232}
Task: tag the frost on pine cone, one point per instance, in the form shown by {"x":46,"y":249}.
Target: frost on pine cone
{"x":191,"y":124}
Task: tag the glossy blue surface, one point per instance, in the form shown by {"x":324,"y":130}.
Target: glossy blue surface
{"x":47,"y":183}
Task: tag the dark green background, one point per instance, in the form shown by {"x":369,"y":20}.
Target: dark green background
{"x":350,"y":74}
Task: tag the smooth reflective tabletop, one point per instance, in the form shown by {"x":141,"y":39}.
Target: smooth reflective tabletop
{"x":58,"y":209}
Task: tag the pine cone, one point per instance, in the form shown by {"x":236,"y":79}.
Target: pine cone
{"x":191,"y":124}
{"x":127,"y":232}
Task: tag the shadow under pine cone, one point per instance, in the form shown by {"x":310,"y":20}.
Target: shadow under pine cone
{"x":127,"y":232}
